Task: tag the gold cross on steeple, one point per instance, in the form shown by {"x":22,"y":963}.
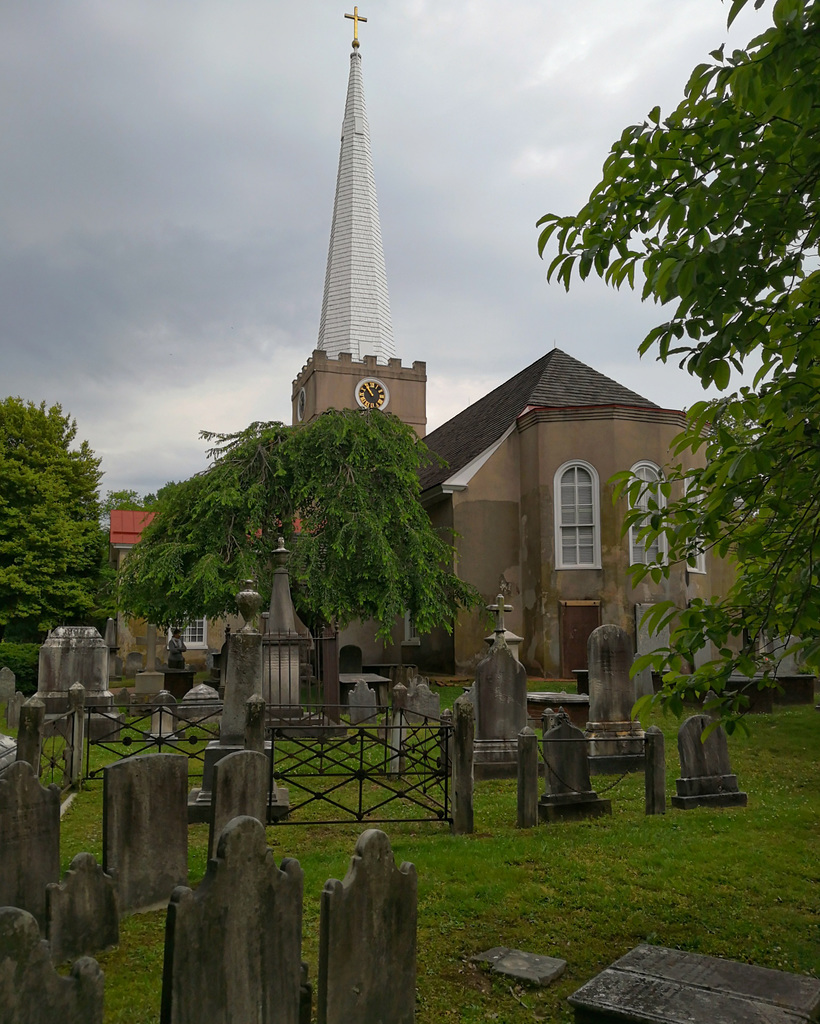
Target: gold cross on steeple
{"x":355,"y":18}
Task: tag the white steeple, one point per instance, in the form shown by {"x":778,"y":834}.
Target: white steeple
{"x":356,"y":306}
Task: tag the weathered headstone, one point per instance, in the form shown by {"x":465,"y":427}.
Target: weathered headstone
{"x":164,"y":718}
{"x":516,"y":963}
{"x":145,"y":828}
{"x":568,"y":793}
{"x":422,"y":704}
{"x":240,"y":789}
{"x":82,"y":915}
{"x":706,"y":778}
{"x":500,"y":698}
{"x":200,"y":704}
{"x":134,"y":662}
{"x":463,"y":773}
{"x":527,"y":778}
{"x":655,"y":774}
{"x":8,"y":752}
{"x":30,"y":733}
{"x":233,"y":947}
{"x":29,"y":840}
{"x":615,"y":741}
{"x":16,"y":701}
{"x":8,"y":683}
{"x":73,"y":654}
{"x":31,"y":991}
{"x":367,"y":939}
{"x":361,"y":703}
{"x":652,"y":983}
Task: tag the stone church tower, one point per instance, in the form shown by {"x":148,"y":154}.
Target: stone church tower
{"x":354,"y":364}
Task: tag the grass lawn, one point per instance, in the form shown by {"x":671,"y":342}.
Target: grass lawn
{"x":739,"y":883}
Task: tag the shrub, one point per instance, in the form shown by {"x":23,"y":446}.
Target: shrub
{"x":23,"y":660}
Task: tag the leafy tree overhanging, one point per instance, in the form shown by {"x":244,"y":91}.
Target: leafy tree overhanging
{"x":365,"y":548}
{"x":718,"y":206}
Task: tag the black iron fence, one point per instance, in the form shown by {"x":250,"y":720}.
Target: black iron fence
{"x":391,"y":767}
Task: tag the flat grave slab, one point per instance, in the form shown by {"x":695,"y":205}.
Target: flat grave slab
{"x":515,"y":963}
{"x":655,"y":985}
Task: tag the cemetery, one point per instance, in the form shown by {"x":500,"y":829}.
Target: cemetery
{"x":549,"y":887}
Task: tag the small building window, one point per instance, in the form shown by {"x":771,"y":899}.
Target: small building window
{"x":577,"y":528}
{"x":411,"y":636}
{"x":195,"y":634}
{"x":697,"y":562}
{"x":648,"y":499}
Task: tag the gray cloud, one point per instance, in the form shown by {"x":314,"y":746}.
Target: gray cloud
{"x":169,"y":166}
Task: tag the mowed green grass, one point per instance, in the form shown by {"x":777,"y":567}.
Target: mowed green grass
{"x":737,"y":883}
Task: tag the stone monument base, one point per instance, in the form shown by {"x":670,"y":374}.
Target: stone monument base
{"x":615,"y":747}
{"x":709,"y":791}
{"x":199,"y":800}
{"x":495,"y":759}
{"x":572,"y":806}
{"x":147,"y":685}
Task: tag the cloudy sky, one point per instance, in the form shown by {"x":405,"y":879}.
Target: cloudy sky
{"x":168,"y":169}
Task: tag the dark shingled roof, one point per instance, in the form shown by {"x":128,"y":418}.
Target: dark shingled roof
{"x":556,"y":380}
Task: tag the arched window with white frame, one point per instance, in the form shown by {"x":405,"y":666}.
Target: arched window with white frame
{"x":577,"y":517}
{"x":647,"y":499}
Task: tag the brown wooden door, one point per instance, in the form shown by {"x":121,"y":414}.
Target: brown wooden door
{"x":578,"y":620}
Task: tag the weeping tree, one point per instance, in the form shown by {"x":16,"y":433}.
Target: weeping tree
{"x":343,"y":491}
{"x":714,"y":211}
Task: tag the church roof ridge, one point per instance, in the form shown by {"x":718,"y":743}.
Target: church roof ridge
{"x":555,"y":380}
{"x":356,"y":305}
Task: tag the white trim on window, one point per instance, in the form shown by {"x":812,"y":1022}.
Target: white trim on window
{"x":700,"y":558}
{"x":639,"y":552}
{"x":576,"y":504}
{"x":411,"y":636}
{"x":195,"y":635}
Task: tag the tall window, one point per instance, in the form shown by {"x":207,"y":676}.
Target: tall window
{"x":195,"y":633}
{"x":577,"y":539}
{"x":647,"y":499}
{"x":697,"y":563}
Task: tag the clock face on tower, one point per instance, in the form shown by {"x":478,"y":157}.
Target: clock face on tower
{"x":372,"y":394}
{"x":301,"y":401}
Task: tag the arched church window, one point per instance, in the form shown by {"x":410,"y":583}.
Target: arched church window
{"x":647,"y":499}
{"x":577,"y":525}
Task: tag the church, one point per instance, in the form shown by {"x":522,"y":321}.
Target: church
{"x":525,"y":493}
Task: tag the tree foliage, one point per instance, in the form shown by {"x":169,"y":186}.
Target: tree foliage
{"x":51,"y":546}
{"x":717,"y":208}
{"x":364,"y":548}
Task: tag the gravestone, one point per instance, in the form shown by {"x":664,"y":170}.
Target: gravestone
{"x":652,"y":983}
{"x":244,"y":679}
{"x":134,"y":662}
{"x":567,"y":789}
{"x":516,"y":963}
{"x":240,"y":788}
{"x":500,"y":698}
{"x":527,"y":810}
{"x":29,"y":840}
{"x":361,"y":703}
{"x":233,"y":946}
{"x":615,"y":741}
{"x":281,"y":645}
{"x":8,"y":682}
{"x":463,"y":765}
{"x":367,"y":939}
{"x":706,"y":775}
{"x":145,"y":828}
{"x":421,"y":703}
{"x":82,"y":915}
{"x":73,"y":654}
{"x":16,"y":701}
{"x":350,"y":659}
{"x":201,"y":703}
{"x":655,"y":774}
{"x":30,"y":733}
{"x":163,"y":717}
{"x":8,"y":751}
{"x":31,"y":991}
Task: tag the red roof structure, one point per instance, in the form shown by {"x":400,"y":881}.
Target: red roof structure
{"x":127,"y":525}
